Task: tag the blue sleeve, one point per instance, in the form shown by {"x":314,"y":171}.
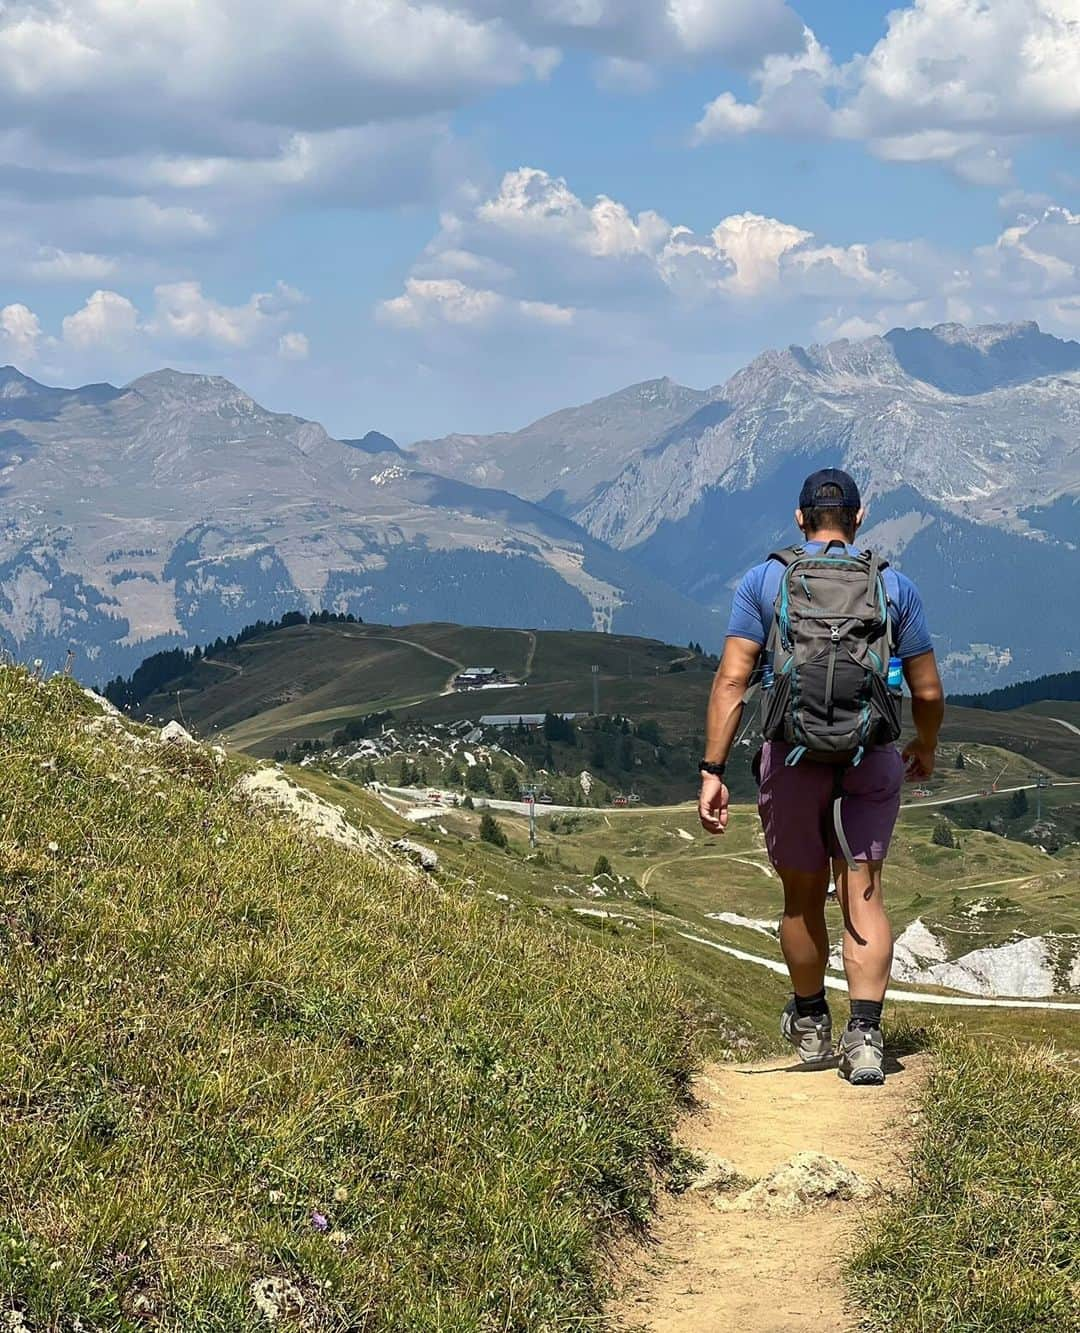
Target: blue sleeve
{"x":911,"y":630}
{"x":747,"y":617}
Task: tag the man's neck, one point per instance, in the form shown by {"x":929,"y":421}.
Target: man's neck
{"x":824,"y":537}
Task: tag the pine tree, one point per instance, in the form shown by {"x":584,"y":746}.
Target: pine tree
{"x":960,"y":763}
{"x":1017,"y":807}
{"x":602,"y":867}
{"x":491,"y":830}
{"x":943,"y":835}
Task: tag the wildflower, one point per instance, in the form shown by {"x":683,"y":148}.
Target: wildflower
{"x":341,"y":1194}
{"x":319,"y":1222}
{"x":275,"y":1196}
{"x":53,"y":846}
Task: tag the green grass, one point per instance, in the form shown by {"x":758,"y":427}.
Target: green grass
{"x":1026,"y":732}
{"x":220,"y":1032}
{"x":305,"y":682}
{"x":988,"y":1238}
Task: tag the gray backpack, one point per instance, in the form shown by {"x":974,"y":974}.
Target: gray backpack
{"x":826,"y":675}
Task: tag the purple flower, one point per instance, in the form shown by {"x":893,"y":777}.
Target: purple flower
{"x":319,"y":1222}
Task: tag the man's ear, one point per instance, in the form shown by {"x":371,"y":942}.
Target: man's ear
{"x":799,"y":521}
{"x":860,"y":518}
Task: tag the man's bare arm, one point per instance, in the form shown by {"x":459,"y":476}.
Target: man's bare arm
{"x":927,"y":713}
{"x":721,"y":725}
{"x":726,"y":700}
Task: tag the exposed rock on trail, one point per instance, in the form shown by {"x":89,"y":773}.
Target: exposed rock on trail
{"x":807,"y":1179}
{"x":766,"y":1259}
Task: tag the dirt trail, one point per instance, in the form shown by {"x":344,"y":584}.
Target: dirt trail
{"x":709,"y":1269}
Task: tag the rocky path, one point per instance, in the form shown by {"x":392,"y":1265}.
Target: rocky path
{"x":761,"y":1254}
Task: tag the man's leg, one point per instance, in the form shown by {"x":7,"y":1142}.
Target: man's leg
{"x":792,"y":802}
{"x":868,"y":949}
{"x":804,"y":938}
{"x":868,"y":938}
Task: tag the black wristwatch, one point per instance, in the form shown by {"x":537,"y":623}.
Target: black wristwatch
{"x":714,"y":770}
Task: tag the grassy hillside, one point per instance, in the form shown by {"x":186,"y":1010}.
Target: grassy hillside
{"x":1026,"y":732}
{"x":309,"y":680}
{"x":306,"y":681}
{"x":246,"y":1071}
{"x":677,"y":893}
{"x":986,"y":1240}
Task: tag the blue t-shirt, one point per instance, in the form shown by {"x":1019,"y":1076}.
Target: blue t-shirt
{"x":752,"y":606}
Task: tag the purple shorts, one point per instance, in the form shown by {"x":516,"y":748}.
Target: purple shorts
{"x":796,"y":807}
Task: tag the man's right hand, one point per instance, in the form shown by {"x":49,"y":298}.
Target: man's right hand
{"x":713,"y":804}
{"x":919,"y":760}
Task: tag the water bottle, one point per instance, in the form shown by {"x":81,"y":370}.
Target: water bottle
{"x":896,"y":673}
{"x":767,"y":677}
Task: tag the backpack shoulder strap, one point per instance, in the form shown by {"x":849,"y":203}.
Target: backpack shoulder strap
{"x":876,"y":568}
{"x":787,"y":555}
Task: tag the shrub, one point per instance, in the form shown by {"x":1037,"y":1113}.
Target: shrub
{"x":1017,"y":806}
{"x":492,"y":831}
{"x":602,"y":867}
{"x":943,"y":835}
{"x":478,"y":779}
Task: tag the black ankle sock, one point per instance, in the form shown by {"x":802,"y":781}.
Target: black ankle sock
{"x":811,"y":1006}
{"x":866,"y":1013}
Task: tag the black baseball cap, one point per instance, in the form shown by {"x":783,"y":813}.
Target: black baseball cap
{"x":848,"y":498}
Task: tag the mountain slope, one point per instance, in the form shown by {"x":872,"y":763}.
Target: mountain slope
{"x":177,"y":509}
{"x":966,"y":442}
{"x":322,"y":1086}
{"x":957,"y":474}
{"x":1004,"y":437}
{"x":563,"y":458}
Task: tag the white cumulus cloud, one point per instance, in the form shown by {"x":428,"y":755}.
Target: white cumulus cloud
{"x":107,"y":320}
{"x":606,"y":274}
{"x":428,"y":302}
{"x":109,"y":332}
{"x":293,"y":346}
{"x":20,"y":332}
{"x":183,"y":311}
{"x":957,"y":82}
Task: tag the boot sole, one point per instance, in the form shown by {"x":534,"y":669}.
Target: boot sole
{"x":866,"y":1078}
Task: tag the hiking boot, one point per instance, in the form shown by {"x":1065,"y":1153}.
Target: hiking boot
{"x":811,"y":1036}
{"x":862,"y":1055}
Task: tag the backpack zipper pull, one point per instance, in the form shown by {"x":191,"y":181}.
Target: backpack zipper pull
{"x":835,"y":632}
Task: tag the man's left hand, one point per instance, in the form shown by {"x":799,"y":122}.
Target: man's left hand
{"x":713,"y":804}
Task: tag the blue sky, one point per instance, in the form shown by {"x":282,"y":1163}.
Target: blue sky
{"x":425,"y":216}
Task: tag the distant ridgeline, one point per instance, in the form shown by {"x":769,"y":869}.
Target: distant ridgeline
{"x":127,"y":692}
{"x":1063,"y":687}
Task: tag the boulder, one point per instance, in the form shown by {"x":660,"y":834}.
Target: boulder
{"x":172,"y":733}
{"x":424,"y":857}
{"x":717,"y":1173}
{"x":805,"y":1180}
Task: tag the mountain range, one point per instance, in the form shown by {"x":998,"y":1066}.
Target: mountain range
{"x":176,"y":509}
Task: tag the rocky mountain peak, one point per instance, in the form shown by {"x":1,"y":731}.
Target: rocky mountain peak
{"x":177,"y":386}
{"x":14,"y":384}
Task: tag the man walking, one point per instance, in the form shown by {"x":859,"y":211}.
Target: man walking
{"x":838,"y":627}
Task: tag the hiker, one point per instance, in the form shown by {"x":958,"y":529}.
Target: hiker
{"x":840,"y":630}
